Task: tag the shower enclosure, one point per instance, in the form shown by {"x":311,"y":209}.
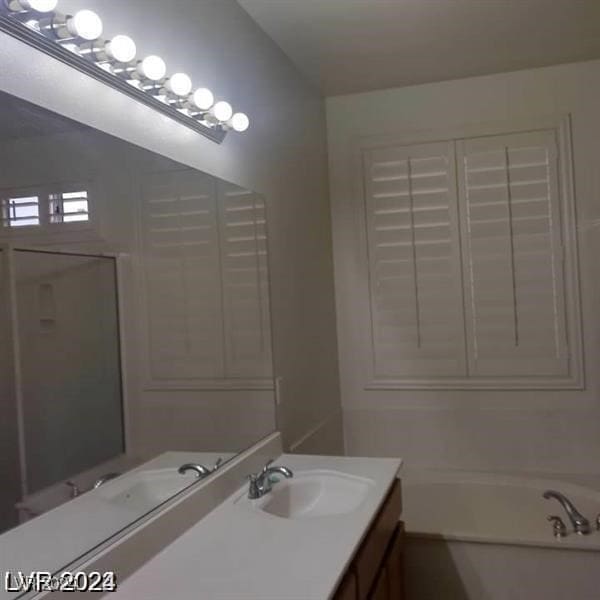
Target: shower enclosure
{"x":61,"y":409}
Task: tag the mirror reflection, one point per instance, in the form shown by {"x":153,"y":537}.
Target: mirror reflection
{"x":135,"y":344}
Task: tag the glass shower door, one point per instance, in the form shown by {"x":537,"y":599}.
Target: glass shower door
{"x":69,"y":363}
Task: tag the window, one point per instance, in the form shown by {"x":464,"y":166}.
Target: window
{"x":414,"y":261}
{"x":513,"y":252}
{"x":20,"y":211}
{"x":68,"y":207}
{"x":44,"y":207}
{"x":471,"y":263}
{"x":206,"y":279}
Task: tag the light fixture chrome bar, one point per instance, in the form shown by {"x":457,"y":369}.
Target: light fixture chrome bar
{"x":22,"y":32}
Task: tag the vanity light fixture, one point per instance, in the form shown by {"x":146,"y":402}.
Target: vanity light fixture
{"x":202,"y":100}
{"x":179,"y":85}
{"x":221,"y":111}
{"x":84,"y":25}
{"x":118,"y":51}
{"x":40,"y":6}
{"x":121,"y":49}
{"x":151,"y":68}
{"x":76,"y":40}
{"x":239,"y":122}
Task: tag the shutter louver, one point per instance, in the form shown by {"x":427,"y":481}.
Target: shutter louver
{"x":245,"y":282}
{"x":414,"y":262}
{"x":516,"y":319}
{"x":180,"y":238}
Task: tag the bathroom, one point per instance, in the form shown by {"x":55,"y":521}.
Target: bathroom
{"x":321,"y":107}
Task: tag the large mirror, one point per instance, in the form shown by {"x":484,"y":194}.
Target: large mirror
{"x":135,"y":333}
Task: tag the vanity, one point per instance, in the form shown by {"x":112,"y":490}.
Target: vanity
{"x":376,"y":570}
{"x":332,"y":530}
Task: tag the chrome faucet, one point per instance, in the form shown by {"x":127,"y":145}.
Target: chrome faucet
{"x":102,"y":480}
{"x":200,"y":470}
{"x":261,"y":483}
{"x":580,"y":524}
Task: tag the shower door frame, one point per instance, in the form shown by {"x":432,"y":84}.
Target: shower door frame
{"x":7,"y":253}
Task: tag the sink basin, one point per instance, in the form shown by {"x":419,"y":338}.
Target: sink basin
{"x":315,"y":493}
{"x":146,"y":489}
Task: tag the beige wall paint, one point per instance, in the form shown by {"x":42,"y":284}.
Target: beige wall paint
{"x":283,"y":156}
{"x":508,"y":430}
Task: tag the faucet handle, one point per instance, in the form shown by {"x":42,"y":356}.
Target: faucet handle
{"x":217,"y":463}
{"x":75,"y":491}
{"x":254,"y":489}
{"x":267,"y":465}
{"x":558,"y":526}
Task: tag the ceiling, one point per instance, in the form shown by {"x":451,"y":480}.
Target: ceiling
{"x":348,"y":46}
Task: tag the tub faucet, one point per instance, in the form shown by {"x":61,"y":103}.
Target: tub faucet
{"x":580,"y":524}
{"x":558,"y":527}
{"x":75,"y":489}
{"x":261,"y":483}
{"x":102,"y":480}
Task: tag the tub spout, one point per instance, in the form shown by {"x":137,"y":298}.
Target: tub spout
{"x":580,"y":524}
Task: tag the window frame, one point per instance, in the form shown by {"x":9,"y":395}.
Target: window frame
{"x":58,"y":197}
{"x":48,"y":230}
{"x":227,"y":381}
{"x":561,"y":124}
{"x":7,"y":219}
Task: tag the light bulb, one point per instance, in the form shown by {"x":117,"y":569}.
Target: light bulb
{"x":239,"y":122}
{"x":85,"y":24}
{"x":121,"y":48}
{"x":203,"y":98}
{"x":222,"y":111}
{"x":41,"y":6}
{"x":180,"y":84}
{"x":152,"y":67}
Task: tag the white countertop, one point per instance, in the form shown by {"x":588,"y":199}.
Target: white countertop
{"x":238,"y":553}
{"x":61,"y":535}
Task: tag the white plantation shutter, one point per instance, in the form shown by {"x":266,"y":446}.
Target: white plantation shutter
{"x":244,"y":266}
{"x":207,"y":286}
{"x":183,"y":290}
{"x":414,"y":261}
{"x":514,"y":283}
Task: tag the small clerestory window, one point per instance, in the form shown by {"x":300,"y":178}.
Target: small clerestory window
{"x":20,"y":211}
{"x":44,"y":207}
{"x":69,"y":207}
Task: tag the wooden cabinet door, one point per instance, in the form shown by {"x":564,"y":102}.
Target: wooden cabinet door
{"x":381,"y":589}
{"x":348,"y":589}
{"x":394,"y":565}
{"x":376,"y":571}
{"x":371,"y":554}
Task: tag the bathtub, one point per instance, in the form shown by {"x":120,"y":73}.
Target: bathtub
{"x":481,"y":536}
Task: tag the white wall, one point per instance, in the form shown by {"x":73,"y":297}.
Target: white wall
{"x":509,"y":430}
{"x":283,"y":156}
